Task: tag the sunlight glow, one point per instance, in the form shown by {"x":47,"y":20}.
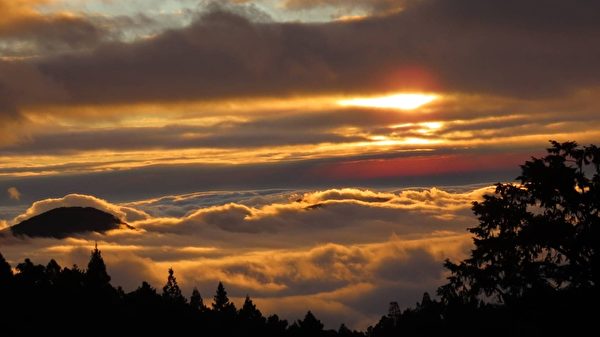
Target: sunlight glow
{"x":397,"y":101}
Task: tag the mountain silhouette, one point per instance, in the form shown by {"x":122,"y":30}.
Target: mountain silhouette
{"x":64,"y":221}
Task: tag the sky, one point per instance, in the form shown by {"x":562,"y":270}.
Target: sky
{"x":316,"y":154}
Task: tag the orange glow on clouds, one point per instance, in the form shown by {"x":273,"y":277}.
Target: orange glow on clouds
{"x":396,"y":101}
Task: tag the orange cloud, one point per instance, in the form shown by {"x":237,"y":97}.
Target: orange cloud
{"x":13,"y":10}
{"x":127,"y":214}
{"x":339,"y":250}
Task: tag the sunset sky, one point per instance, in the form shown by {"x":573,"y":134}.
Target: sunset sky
{"x":314,"y":154}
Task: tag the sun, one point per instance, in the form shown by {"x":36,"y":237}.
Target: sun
{"x":396,"y":101}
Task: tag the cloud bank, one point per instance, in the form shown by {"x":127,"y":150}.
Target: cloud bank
{"x":343,"y":253}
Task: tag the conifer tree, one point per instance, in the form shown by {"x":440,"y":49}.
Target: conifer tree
{"x":221,"y":301}
{"x":96,"y":274}
{"x":171,"y":290}
{"x":310,"y":325}
{"x":249,"y":312}
{"x":196,"y":301}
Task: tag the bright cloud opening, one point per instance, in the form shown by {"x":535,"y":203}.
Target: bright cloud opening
{"x":397,"y":101}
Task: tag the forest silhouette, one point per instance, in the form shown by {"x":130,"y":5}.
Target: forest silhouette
{"x":533,"y":271}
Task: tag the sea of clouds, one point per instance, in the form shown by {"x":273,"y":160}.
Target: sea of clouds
{"x":342,"y":253}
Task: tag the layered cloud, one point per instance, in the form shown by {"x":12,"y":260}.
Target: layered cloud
{"x":221,"y":53}
{"x":228,"y":86}
{"x":344,"y":253}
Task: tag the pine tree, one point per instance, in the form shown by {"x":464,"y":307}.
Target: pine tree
{"x":96,"y":274}
{"x":221,"y":301}
{"x":425,"y":302}
{"x":343,"y":331}
{"x":394,"y":312}
{"x":249,"y":312}
{"x":196,"y":301}
{"x":310,"y":325}
{"x":145,"y":296}
{"x":146,"y":290}
{"x":171,"y":290}
{"x":275,"y":326}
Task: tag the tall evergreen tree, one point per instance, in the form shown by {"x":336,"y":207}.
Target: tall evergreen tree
{"x":145,"y":290}
{"x":310,"y":325}
{"x":196,"y":301}
{"x":96,"y":274}
{"x":171,"y":290}
{"x":221,"y":301}
{"x":249,"y":312}
{"x":276,"y":327}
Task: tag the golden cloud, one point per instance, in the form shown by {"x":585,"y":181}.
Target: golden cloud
{"x":126,"y":214}
{"x":345,"y":249}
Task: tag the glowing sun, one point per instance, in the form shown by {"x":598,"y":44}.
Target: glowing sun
{"x":397,"y":101}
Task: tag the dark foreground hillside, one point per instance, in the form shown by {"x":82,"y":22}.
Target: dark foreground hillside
{"x":533,"y":271}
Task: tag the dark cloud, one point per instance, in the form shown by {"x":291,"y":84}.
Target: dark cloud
{"x":42,"y":35}
{"x":514,"y":47}
{"x":156,"y":180}
{"x":231,"y":135}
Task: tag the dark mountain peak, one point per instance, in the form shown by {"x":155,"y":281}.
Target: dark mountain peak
{"x":64,"y":221}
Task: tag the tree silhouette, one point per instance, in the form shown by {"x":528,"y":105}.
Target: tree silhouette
{"x":196,"y":301}
{"x":145,"y":291}
{"x":96,"y":275}
{"x":250,"y":319}
{"x":171,"y":291}
{"x":249,"y":311}
{"x":221,"y":301}
{"x":344,"y":331}
{"x":394,"y":312}
{"x":30,"y":273}
{"x":53,"y":270}
{"x":537,"y":236}
{"x":310,"y":325}
{"x":275,"y":327}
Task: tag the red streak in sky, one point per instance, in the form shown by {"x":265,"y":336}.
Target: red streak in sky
{"x":422,"y":165}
